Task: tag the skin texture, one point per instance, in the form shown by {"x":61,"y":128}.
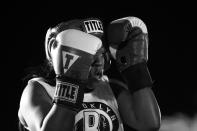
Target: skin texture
{"x":139,"y":110}
{"x":37,"y":112}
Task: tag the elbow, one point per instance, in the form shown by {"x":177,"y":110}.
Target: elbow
{"x":153,"y":125}
{"x":154,"y":122}
{"x":152,"y":119}
{"x":157,"y":125}
{"x":150,"y":127}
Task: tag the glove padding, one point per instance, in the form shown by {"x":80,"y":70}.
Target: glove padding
{"x":128,"y":40}
{"x":74,"y":53}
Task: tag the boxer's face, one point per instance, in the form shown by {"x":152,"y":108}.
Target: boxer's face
{"x":97,"y":67}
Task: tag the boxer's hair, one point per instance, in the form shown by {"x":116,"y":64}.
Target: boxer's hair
{"x":44,"y":70}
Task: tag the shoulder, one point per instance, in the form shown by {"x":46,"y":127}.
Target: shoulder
{"x":35,"y":101}
{"x":35,"y":89}
{"x":32,"y":90}
{"x":34,"y":94}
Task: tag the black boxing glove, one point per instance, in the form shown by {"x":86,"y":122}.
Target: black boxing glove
{"x":128,"y":44}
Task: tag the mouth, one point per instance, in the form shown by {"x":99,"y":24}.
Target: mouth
{"x":98,"y":65}
{"x":97,"y":71}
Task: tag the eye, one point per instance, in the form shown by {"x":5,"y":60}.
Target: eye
{"x":98,"y":60}
{"x":54,"y":44}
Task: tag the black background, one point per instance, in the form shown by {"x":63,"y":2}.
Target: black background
{"x":171,"y":52}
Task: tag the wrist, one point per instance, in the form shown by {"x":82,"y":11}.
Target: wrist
{"x":137,"y":77}
{"x":69,"y":93}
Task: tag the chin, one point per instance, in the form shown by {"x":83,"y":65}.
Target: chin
{"x":96,"y":73}
{"x":96,"y":77}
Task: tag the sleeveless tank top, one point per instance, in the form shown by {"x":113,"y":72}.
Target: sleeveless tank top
{"x":99,"y":110}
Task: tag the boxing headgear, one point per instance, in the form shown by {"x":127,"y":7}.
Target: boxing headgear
{"x":91,"y":26}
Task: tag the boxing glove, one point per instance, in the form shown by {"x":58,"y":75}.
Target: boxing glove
{"x":72,"y":52}
{"x":128,"y":43}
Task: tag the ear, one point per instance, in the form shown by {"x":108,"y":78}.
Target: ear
{"x":49,"y":40}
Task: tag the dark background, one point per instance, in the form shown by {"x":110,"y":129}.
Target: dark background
{"x":171,"y":52}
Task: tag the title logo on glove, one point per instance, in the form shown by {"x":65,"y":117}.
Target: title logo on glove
{"x":93,"y":26}
{"x":67,"y":91}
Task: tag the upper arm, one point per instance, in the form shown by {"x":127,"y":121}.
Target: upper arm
{"x":124,"y":101}
{"x":125,"y":105}
{"x":34,"y":105}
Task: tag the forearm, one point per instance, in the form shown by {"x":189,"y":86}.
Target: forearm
{"x":146,"y":109}
{"x":59,"y":119}
{"x":61,"y":116}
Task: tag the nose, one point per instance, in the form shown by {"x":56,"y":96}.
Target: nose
{"x":98,"y":61}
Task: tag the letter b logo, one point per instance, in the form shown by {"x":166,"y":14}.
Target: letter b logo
{"x":92,"y":118}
